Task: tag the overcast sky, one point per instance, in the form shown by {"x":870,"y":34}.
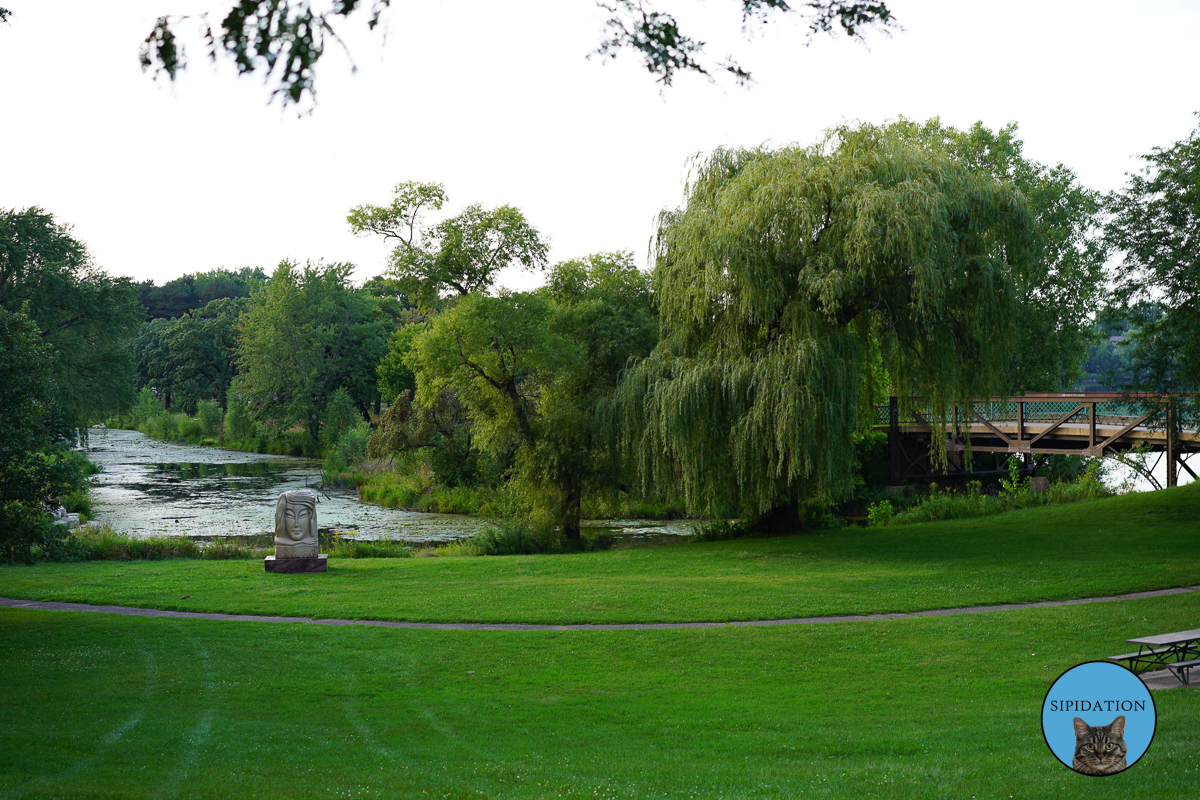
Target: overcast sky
{"x":498,"y":101}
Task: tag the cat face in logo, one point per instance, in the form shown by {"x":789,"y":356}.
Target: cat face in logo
{"x":1099,"y":750}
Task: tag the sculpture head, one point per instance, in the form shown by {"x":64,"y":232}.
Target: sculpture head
{"x":296,"y":516}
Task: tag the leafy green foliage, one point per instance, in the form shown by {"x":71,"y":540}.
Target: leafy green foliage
{"x":880,"y":514}
{"x":32,"y":471}
{"x":1063,"y":285}
{"x":339,"y":416}
{"x":1154,"y":223}
{"x":194,"y":291}
{"x":718,"y":530}
{"x":1014,"y":484}
{"x":395,"y":376}
{"x":284,"y":40}
{"x":191,"y":358}
{"x":239,"y":426}
{"x":666,"y":50}
{"x":942,"y":504}
{"x":775,"y":282}
{"x":348,"y":450}
{"x":496,"y":353}
{"x":211,"y":418}
{"x":148,"y":406}
{"x":517,"y":537}
{"x":306,"y":335}
{"x":532,"y":368}
{"x":85,"y":314}
{"x":460,"y":255}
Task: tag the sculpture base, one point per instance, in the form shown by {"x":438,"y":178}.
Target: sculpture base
{"x":297,"y":550}
{"x":293,"y":566}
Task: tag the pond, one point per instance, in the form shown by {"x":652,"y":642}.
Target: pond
{"x":152,"y":488}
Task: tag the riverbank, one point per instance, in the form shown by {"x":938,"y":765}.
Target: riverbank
{"x":152,"y":488}
{"x":1113,"y":546}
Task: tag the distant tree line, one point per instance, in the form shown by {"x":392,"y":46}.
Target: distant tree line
{"x":190,"y":292}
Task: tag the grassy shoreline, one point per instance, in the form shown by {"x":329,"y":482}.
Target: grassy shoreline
{"x":1113,"y":546}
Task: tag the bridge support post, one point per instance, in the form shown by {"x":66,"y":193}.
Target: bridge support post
{"x":1172,"y":446}
{"x":1091,"y":425}
{"x":894,"y":477}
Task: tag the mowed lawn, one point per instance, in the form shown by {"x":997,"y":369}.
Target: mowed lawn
{"x":103,"y":706}
{"x":1118,"y":545}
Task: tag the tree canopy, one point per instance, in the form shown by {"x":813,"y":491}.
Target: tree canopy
{"x":307,"y":334}
{"x":85,"y":314}
{"x":459,"y":255}
{"x":31,"y":472}
{"x":189,"y":292}
{"x":1064,"y":285}
{"x":1156,"y":226}
{"x":284,"y":39}
{"x":532,"y":368}
{"x":191,"y":358}
{"x":778,"y":278}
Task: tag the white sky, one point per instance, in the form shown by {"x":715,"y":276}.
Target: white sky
{"x":498,"y":101}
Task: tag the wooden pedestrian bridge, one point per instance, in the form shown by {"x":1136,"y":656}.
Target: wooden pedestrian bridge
{"x":1033,"y":426}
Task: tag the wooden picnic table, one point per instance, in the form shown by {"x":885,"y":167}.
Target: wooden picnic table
{"x":1173,"y":651}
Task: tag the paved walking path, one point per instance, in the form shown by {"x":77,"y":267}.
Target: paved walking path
{"x":633,"y":626}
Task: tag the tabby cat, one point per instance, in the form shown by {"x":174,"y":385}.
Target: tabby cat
{"x":1099,"y":750}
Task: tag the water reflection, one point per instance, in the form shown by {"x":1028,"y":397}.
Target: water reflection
{"x":149,"y":487}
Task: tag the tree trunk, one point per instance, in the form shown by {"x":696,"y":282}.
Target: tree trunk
{"x":781,"y":519}
{"x":572,"y":500}
{"x":314,"y":431}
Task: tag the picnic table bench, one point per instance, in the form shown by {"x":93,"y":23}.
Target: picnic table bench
{"x":1177,"y":652}
{"x":1181,"y":669}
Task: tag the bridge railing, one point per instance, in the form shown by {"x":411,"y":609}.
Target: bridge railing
{"x":1110,"y":409}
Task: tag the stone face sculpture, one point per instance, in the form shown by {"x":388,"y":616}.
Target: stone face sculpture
{"x":296,"y":524}
{"x":296,"y":534}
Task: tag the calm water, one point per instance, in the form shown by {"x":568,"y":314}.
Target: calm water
{"x":149,"y":488}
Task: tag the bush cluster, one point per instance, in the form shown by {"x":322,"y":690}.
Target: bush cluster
{"x":104,"y":543}
{"x":1015,"y":493}
{"x":517,"y":537}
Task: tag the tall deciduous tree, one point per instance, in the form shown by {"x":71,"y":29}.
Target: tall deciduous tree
{"x":84,"y":313}
{"x":1156,"y":225}
{"x":306,"y":335}
{"x":1064,"y":285}
{"x":191,"y":358}
{"x":531,"y":370}
{"x":203,"y":345}
{"x":153,"y":359}
{"x":457,"y":256}
{"x":777,"y":278}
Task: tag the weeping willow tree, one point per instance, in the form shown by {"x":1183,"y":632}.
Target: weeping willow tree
{"x":784,"y":277}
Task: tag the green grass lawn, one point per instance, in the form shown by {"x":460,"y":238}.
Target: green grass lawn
{"x":100,"y":706}
{"x":1117,"y":545}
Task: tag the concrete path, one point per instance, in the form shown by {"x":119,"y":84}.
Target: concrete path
{"x":633,"y":626}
